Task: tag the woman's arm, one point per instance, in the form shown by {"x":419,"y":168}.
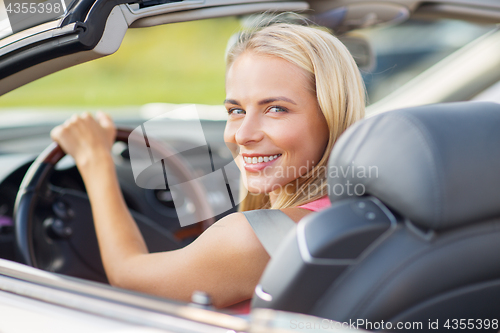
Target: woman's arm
{"x":226,"y":261}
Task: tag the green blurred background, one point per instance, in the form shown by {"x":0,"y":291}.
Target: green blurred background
{"x":173,"y":63}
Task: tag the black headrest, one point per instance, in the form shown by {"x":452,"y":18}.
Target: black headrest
{"x":438,"y":165}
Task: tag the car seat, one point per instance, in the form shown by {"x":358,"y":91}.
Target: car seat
{"x":413,"y":233}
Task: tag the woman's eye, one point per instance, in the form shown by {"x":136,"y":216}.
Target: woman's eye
{"x":276,"y":109}
{"x":235,"y":111}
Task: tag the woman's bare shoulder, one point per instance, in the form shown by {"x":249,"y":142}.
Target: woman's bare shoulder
{"x":226,"y":261}
{"x":231,"y":220}
{"x":235,"y":231}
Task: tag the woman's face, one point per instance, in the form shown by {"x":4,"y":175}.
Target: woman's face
{"x":275,"y":127}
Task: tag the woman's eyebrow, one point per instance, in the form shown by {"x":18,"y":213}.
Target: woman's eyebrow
{"x":274,"y":99}
{"x":264,"y":101}
{"x":231,"y":101}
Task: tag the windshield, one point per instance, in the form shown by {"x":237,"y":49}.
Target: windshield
{"x":405,"y":51}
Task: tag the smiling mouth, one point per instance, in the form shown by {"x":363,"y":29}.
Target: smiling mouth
{"x":260,"y":159}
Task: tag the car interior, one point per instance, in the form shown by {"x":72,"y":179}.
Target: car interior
{"x":419,"y":243}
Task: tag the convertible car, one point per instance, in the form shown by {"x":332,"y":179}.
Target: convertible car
{"x":417,"y":250}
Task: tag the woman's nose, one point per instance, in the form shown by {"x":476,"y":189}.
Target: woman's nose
{"x":249,"y":131}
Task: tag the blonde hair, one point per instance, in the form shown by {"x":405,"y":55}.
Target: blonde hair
{"x":336,"y":82}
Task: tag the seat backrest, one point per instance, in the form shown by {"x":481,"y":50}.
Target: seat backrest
{"x":417,"y":239}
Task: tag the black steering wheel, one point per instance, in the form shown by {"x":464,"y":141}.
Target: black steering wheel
{"x":54,"y":227}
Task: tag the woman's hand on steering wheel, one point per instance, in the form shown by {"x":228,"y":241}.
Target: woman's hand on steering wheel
{"x":85,"y":137}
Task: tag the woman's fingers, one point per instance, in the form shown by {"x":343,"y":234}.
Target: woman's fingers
{"x":107,"y":123}
{"x":82,"y":136}
{"x":55,"y":133}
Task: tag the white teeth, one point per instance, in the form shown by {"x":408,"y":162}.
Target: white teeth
{"x":260,"y":159}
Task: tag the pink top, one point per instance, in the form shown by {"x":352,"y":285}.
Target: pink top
{"x":316,"y":205}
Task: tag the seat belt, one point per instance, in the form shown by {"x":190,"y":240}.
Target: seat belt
{"x":271,"y":226}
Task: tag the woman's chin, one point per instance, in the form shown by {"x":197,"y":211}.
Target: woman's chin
{"x":255,"y":187}
{"x":257,"y":190}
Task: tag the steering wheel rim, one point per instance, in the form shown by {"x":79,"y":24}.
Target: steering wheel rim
{"x":35,"y":187}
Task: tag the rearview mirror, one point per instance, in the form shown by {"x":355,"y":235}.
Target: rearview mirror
{"x":361,"y":51}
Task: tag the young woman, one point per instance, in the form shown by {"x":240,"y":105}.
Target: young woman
{"x":290,"y":92}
